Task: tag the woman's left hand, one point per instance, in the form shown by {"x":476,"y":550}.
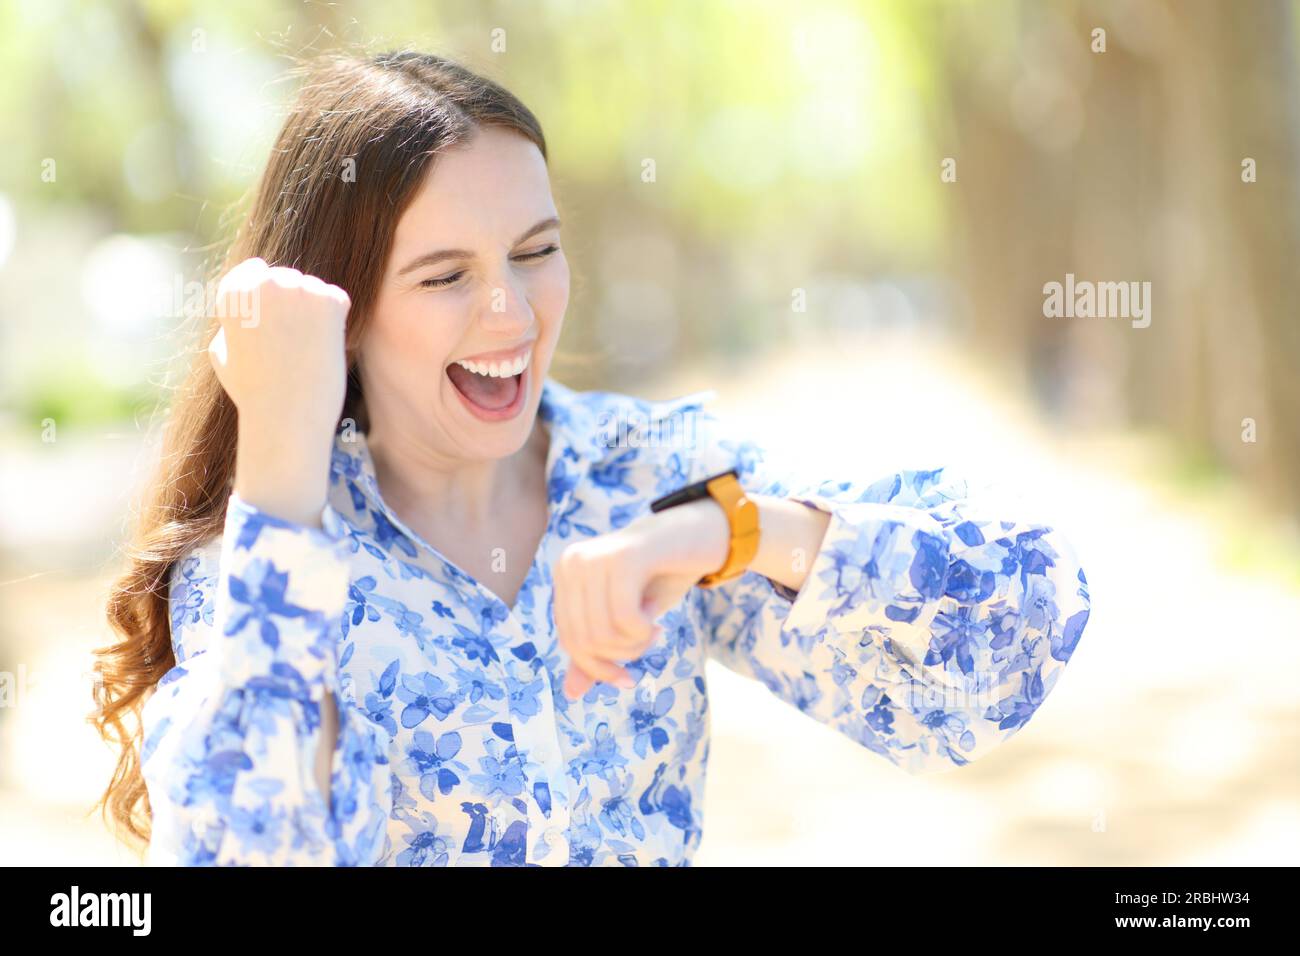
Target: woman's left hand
{"x":609,"y":589}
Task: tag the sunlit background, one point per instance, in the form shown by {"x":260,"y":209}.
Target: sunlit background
{"x":853,"y":212}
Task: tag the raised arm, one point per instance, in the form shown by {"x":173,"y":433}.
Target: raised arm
{"x":251,"y":755}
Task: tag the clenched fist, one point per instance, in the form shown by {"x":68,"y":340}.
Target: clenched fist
{"x":279,"y":352}
{"x":280,"y":356}
{"x":610,"y":589}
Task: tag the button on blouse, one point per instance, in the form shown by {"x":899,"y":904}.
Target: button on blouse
{"x":932,"y":625}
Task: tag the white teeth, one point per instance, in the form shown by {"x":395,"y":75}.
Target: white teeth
{"x":496,"y":369}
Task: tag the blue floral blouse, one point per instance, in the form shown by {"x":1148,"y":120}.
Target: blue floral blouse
{"x":931,"y":626}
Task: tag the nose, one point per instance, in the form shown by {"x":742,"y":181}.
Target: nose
{"x":505,"y":309}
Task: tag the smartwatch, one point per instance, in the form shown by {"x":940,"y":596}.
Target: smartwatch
{"x":742,"y":518}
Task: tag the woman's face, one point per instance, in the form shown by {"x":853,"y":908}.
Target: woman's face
{"x":475,"y":273}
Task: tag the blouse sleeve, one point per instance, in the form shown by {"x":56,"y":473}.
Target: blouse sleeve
{"x":934,"y":620}
{"x":232,"y":731}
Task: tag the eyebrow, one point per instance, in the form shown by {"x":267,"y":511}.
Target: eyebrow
{"x":430,"y":258}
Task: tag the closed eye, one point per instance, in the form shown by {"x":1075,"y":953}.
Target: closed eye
{"x":434,"y":283}
{"x":540,"y":253}
{"x":451,"y":279}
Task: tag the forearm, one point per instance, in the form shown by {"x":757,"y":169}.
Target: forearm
{"x":282,"y":474}
{"x":791,"y":536}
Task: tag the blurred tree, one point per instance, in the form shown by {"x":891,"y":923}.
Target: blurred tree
{"x":792,"y":147}
{"x":1126,"y":165}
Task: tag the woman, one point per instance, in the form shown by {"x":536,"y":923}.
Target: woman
{"x":400,"y":597}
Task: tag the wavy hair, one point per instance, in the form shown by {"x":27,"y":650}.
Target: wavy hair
{"x":386,"y":116}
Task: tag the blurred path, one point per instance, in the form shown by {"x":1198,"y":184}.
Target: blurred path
{"x":1173,"y":738}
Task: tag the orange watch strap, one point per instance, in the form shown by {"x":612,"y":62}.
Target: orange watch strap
{"x":742,"y":517}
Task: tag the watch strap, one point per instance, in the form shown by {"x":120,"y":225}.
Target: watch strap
{"x":692,"y":492}
{"x":742,"y":519}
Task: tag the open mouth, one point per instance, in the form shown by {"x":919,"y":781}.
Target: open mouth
{"x":490,"y":388}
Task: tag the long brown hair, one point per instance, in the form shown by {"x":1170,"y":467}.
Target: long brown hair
{"x":357,"y":141}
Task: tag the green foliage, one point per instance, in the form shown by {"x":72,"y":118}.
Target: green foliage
{"x":74,"y":397}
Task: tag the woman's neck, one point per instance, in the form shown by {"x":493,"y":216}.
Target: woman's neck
{"x":435,"y":491}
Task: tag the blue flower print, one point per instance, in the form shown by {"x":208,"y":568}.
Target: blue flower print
{"x":499,"y":775}
{"x":425,"y":695}
{"x":431,"y":759}
{"x":930,"y":626}
{"x":475,"y":646}
{"x":262,"y":599}
{"x":524,"y":697}
{"x":646,"y":717}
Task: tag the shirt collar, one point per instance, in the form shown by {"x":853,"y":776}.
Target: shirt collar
{"x":572,"y":419}
{"x":593,"y":423}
